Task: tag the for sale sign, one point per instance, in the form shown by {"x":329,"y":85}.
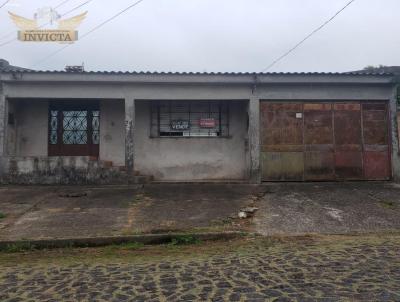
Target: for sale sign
{"x":207,"y":123}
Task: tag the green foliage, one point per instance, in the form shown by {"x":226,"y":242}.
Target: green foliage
{"x":184,"y":240}
{"x":2,"y":215}
{"x":131,"y":246}
{"x":388,"y":204}
{"x":18,"y":247}
{"x":373,"y":68}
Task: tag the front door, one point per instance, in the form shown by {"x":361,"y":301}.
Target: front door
{"x":74,"y":128}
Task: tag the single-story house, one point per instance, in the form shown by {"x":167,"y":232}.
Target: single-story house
{"x":123,"y":127}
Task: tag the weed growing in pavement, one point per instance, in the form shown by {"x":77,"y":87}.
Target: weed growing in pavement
{"x":388,"y":204}
{"x":18,"y":247}
{"x":184,"y":240}
{"x":130,"y":246}
{"x":2,"y":215}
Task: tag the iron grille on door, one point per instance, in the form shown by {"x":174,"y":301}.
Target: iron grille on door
{"x":189,"y":119}
{"x":74,"y":129}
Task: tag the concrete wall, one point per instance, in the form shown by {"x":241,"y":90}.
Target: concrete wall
{"x":75,"y":170}
{"x":187,"y":159}
{"x":112,"y":131}
{"x":31,"y":120}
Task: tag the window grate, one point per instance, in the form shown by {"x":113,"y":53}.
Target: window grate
{"x":190,"y":119}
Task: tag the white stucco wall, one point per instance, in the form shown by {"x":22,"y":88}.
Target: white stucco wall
{"x":187,"y":159}
{"x":32,"y":128}
{"x":112,"y":131}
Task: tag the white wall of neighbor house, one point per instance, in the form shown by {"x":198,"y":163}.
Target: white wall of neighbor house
{"x":31,"y":128}
{"x":112,"y":131}
{"x":186,"y":159}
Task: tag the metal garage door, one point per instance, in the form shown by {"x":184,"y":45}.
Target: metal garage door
{"x":324,"y":141}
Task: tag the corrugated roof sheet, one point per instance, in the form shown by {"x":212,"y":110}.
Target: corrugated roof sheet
{"x":201,"y":73}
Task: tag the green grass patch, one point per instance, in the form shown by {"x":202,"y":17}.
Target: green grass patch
{"x":18,"y":247}
{"x":388,"y":204}
{"x":184,"y":240}
{"x":129,"y":246}
{"x":2,"y":215}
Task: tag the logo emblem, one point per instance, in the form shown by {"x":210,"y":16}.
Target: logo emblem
{"x":47,"y":26}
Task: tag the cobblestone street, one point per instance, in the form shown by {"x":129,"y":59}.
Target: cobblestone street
{"x":304,"y":269}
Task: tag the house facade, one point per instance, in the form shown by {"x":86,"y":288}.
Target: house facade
{"x":112,"y":127}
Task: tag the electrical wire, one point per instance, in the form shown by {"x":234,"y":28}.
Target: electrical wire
{"x":61,"y":4}
{"x":89,"y":32}
{"x":4,"y":4}
{"x":62,"y":15}
{"x":307,"y":37}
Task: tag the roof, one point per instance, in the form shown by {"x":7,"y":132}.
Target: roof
{"x":13,"y":74}
{"x":355,"y":73}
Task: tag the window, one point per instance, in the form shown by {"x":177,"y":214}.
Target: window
{"x":74,"y":129}
{"x":190,"y":119}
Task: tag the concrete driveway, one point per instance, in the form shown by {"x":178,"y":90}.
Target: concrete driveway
{"x":328,"y":208}
{"x":284,"y":209}
{"x":75,"y":212}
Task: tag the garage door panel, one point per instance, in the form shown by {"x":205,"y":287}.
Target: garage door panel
{"x":374,"y":106}
{"x":318,"y":127}
{"x":347,"y":107}
{"x":348,"y":165}
{"x":325,"y":141}
{"x":282,"y":166}
{"x":375,"y":133}
{"x":347,"y":126}
{"x":348,"y":147}
{"x":376,"y":148}
{"x":282,"y":148}
{"x":281,"y":106}
{"x":321,"y":148}
{"x":375,"y":130}
{"x":376,"y":165}
{"x":374,"y":115}
{"x":319,"y":166}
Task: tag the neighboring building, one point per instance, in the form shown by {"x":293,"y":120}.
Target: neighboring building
{"x":109,"y":127}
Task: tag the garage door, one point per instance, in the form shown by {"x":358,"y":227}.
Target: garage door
{"x":324,"y":141}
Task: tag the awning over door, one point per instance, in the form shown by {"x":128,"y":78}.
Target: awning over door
{"x":324,"y":141}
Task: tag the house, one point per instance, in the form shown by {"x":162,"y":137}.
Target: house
{"x":124,"y":127}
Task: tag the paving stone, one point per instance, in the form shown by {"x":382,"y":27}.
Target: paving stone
{"x":356,"y":271}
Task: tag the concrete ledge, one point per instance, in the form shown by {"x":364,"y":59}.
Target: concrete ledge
{"x":104,"y":241}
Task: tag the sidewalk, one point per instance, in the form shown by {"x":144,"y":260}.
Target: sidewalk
{"x":329,"y":208}
{"x":33,"y":213}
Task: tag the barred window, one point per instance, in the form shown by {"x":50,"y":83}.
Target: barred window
{"x":190,"y":119}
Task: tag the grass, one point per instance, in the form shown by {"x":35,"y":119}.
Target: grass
{"x":18,"y":247}
{"x":184,"y":240}
{"x":2,"y":215}
{"x":387,"y":204}
{"x":129,"y":246}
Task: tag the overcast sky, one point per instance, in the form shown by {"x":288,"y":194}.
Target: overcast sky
{"x":216,"y":35}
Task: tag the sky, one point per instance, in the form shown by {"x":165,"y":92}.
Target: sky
{"x":214,"y":35}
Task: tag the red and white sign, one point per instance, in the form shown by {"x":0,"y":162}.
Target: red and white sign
{"x":207,"y":123}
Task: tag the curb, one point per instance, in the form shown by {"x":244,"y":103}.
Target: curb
{"x":146,"y":239}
